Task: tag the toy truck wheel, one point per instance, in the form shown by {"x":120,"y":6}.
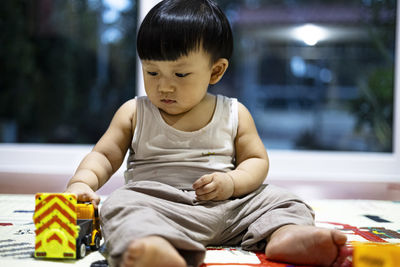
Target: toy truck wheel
{"x":96,"y":245}
{"x":80,"y":250}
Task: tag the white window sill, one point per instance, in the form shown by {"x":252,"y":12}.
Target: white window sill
{"x":285,"y":165}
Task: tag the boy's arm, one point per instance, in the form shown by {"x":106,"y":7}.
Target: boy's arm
{"x":251,"y":165}
{"x":252,"y":161}
{"x":107,"y":155}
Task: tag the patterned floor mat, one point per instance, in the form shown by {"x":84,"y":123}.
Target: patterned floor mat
{"x":361,"y":220}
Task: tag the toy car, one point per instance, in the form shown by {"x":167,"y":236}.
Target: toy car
{"x":64,"y":228}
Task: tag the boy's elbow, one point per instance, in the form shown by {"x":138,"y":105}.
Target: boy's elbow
{"x":264,"y":167}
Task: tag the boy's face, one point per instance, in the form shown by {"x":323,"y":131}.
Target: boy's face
{"x":177,"y":86}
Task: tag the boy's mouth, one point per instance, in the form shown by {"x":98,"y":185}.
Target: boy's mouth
{"x":168,"y":101}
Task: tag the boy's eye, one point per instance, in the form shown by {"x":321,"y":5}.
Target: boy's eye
{"x":152,"y":73}
{"x":181,"y":75}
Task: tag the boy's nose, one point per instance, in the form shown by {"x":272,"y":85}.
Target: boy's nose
{"x":165,"y":87}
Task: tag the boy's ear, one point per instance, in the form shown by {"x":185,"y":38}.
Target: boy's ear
{"x":218,"y":70}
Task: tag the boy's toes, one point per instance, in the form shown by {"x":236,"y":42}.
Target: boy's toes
{"x":338,"y":237}
{"x":342,"y":260}
{"x":297,"y":244}
{"x":132,"y":253}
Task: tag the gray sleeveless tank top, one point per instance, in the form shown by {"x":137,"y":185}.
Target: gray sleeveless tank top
{"x":162,"y":153}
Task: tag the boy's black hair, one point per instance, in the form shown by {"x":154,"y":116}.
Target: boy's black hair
{"x":174,"y":28}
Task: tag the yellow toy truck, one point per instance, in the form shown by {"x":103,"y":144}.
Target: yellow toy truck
{"x":64,"y":228}
{"x":376,"y":254}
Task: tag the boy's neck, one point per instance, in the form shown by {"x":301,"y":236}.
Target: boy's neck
{"x":194,"y":119}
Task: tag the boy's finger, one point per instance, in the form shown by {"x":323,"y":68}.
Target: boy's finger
{"x":94,"y":202}
{"x":83,"y":197}
{"x":94,"y":199}
{"x":208,"y":188}
{"x":208,"y":196}
{"x":206,"y":179}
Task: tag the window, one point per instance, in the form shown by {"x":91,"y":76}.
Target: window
{"x":319,"y":79}
{"x":66,"y":66}
{"x":318,"y":76}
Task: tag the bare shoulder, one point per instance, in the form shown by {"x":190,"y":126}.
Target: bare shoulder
{"x":248,"y":143}
{"x":119,"y":133}
{"x":129,"y":107}
{"x":126,"y":114}
{"x":246,"y":121}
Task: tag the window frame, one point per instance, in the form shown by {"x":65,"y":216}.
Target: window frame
{"x":62,"y":160}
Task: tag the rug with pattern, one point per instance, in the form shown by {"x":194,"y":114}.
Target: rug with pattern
{"x":361,"y":220}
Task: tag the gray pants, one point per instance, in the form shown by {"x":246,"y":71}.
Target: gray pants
{"x":146,"y":208}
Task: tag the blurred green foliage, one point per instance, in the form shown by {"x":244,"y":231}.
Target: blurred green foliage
{"x":50,"y":57}
{"x":375,"y":105}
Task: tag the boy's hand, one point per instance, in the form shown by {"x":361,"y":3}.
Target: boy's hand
{"x":84,"y":193}
{"x":215,"y":186}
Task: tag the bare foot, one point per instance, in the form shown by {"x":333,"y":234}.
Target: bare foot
{"x":152,"y":251}
{"x":309,"y":245}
